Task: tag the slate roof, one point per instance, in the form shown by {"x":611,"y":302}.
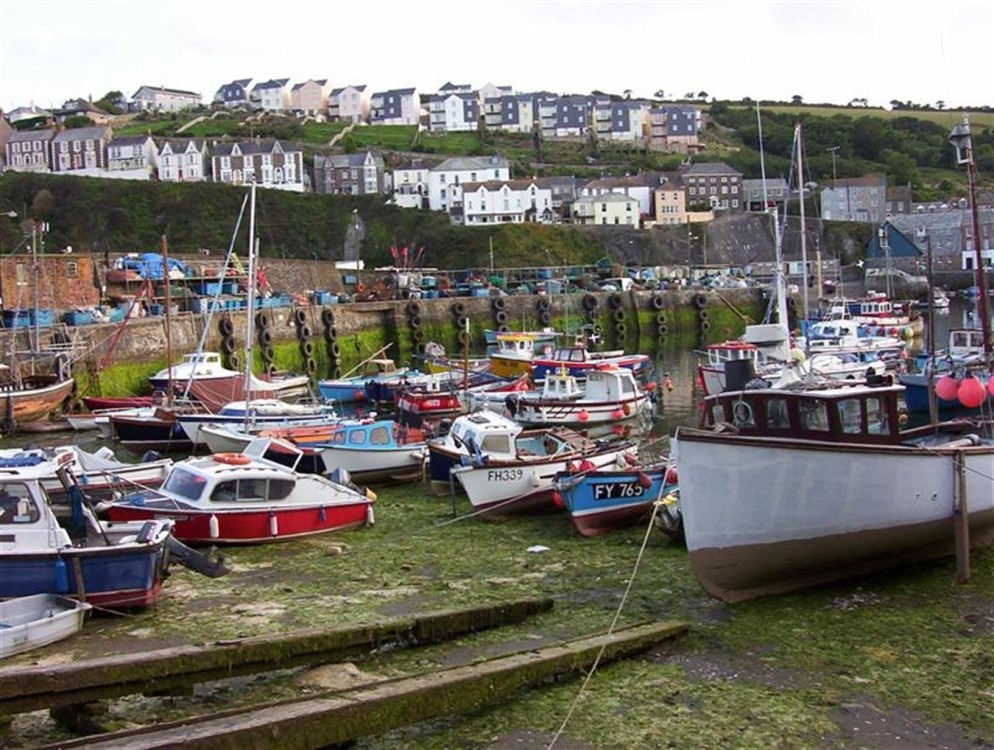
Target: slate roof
{"x":27,"y":136}
{"x":273,"y":83}
{"x":83,"y":134}
{"x":699,"y":169}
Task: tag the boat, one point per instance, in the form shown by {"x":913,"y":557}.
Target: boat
{"x":201,"y":376}
{"x":610,"y":499}
{"x":351,"y":387}
{"x":513,"y":353}
{"x":374,"y":451}
{"x":543,"y":336}
{"x":156,"y":428}
{"x":99,"y":473}
{"x":962,"y":364}
{"x":506,"y":469}
{"x":255,"y":414}
{"x":30,"y":622}
{"x":610,"y":394}
{"x":578,"y":360}
{"x":31,"y":398}
{"x":880,"y":316}
{"x":781,"y":489}
{"x":244,"y":498}
{"x":111,"y":565}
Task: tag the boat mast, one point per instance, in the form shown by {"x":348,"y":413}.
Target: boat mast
{"x":779,"y":283}
{"x":963,"y":143}
{"x":253,"y":249}
{"x":169,"y":338}
{"x":804,"y":239}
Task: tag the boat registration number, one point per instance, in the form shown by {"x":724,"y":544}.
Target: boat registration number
{"x":504,"y":475}
{"x":618,"y":489}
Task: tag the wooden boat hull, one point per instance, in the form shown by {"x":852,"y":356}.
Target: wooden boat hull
{"x":766,"y":516}
{"x":30,"y":622}
{"x":38,"y":398}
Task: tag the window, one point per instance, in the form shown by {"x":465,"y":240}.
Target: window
{"x":185,"y":484}
{"x":850,"y":417}
{"x":876,"y":417}
{"x":16,"y":505}
{"x":777,"y":416}
{"x":72,"y":269}
{"x":813,"y":415}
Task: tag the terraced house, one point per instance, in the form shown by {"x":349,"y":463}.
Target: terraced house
{"x":29,"y":151}
{"x":81,"y":151}
{"x":264,"y":161}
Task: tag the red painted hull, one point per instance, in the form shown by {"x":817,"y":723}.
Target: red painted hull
{"x":95,"y":403}
{"x":250,"y":526}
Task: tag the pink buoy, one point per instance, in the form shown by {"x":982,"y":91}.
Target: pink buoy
{"x":644,"y":481}
{"x":946,"y":387}
{"x":617,"y":414}
{"x":583,"y":416}
{"x":971,"y":392}
{"x":360,"y":395}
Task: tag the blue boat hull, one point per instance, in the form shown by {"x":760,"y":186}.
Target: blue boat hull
{"x":916,"y":396}
{"x":601,"y":501}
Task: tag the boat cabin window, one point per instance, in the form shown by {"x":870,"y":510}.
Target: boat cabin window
{"x":17,"y":505}
{"x":777,"y":416}
{"x":184,"y":484}
{"x":255,"y":489}
{"x":379,"y":436}
{"x":627,"y":386}
{"x":338,"y":437}
{"x":356,"y":437}
{"x":742,"y":414}
{"x":850,"y":416}
{"x":876,"y":416}
{"x":813,"y":415}
{"x":497,"y":444}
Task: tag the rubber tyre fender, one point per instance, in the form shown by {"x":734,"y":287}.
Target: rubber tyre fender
{"x":705,"y":325}
{"x":300,"y":316}
{"x":265,"y":337}
{"x":227,"y":346}
{"x":462,"y":322}
{"x":619,"y":316}
{"x":418,"y":335}
{"x":702,"y":315}
{"x":413,"y":308}
{"x":226,"y":327}
{"x":699,"y":301}
{"x":307,"y":348}
{"x":459,"y":309}
{"x":543,"y":304}
{"x":335,"y":349}
{"x":589,"y":302}
{"x":657,"y":302}
{"x":500,"y":317}
{"x":614,"y":301}
{"x":304,"y":332}
{"x":498,"y":304}
{"x":310,"y":365}
{"x":544,"y":317}
{"x":464,"y":336}
{"x":327,"y":318}
{"x":268,"y":354}
{"x":621,"y":329}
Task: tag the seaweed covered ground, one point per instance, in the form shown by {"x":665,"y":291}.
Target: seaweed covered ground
{"x":903,"y":660}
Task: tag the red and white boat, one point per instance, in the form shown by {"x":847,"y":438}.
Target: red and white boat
{"x":610,"y":394}
{"x":242,"y":498}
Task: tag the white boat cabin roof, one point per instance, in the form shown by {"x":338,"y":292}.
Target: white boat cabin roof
{"x":487,"y":431}
{"x":379,"y":367}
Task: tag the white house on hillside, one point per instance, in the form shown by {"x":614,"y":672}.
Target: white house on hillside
{"x":131,"y":158}
{"x":349,"y":104}
{"x":310,"y":98}
{"x":272,"y":95}
{"x":450,"y":113}
{"x":608,"y":209}
{"x":183,"y":160}
{"x":234,"y":94}
{"x":161,"y":99}
{"x":451,"y":173}
{"x":410,"y":185}
{"x":395,"y":107}
{"x":501,"y":201}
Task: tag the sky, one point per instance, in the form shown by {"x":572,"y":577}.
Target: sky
{"x":825,"y":51}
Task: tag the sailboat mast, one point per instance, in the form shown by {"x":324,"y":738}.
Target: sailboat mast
{"x":169,"y":338}
{"x":250,"y":304}
{"x":804,"y":238}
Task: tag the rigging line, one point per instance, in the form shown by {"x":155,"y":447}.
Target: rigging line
{"x":617,"y":615}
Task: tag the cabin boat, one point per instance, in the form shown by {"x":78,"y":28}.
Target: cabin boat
{"x":506,"y":469}
{"x":514,"y":353}
{"x":578,"y":360}
{"x":254,"y":414}
{"x":32,"y":398}
{"x":243,"y":498}
{"x":374,"y":451}
{"x":610,"y":394}
{"x":963,"y":360}
{"x":113,"y":565}
{"x":787,"y":488}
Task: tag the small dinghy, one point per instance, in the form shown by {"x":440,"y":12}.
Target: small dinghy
{"x":30,"y":622}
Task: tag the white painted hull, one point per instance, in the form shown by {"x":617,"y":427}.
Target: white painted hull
{"x":30,"y":622}
{"x":765,"y":516}
{"x":363,"y":464}
{"x":514,"y":487}
{"x":579,"y":413}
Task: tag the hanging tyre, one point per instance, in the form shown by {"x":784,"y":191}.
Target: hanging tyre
{"x":418,"y":335}
{"x":415,"y":321}
{"x":413,"y":308}
{"x":503,"y":329}
{"x":234,"y":361}
{"x":331,"y":334}
{"x":271,"y":369}
{"x":335,"y":349}
{"x":661,"y":319}
{"x":589,"y":303}
{"x":227,"y":345}
{"x":657,"y":302}
{"x":226,"y":327}
{"x":265,"y":336}
{"x":662,"y":329}
{"x":307,"y":348}
{"x":619,"y":316}
{"x":699,"y":301}
{"x":459,"y":309}
{"x":261,"y":320}
{"x":300,"y":316}
{"x":304,"y":332}
{"x":268,"y":354}
{"x":543,"y":303}
{"x":705,"y":325}
{"x":702,"y":315}
{"x":462,"y":322}
{"x":614,"y":301}
{"x":327,"y":318}
{"x":463,"y":336}
{"x":500,"y":317}
{"x":621,"y":330}
{"x":498,"y":303}
{"x":544,"y":317}
{"x":311,"y":365}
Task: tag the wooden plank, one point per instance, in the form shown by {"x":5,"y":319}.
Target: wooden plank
{"x":32,"y":688}
{"x":372,"y":709}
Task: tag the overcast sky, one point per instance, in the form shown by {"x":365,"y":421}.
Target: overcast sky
{"x":823,"y":50}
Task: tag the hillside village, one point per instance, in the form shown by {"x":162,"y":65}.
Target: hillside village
{"x":471,"y":190}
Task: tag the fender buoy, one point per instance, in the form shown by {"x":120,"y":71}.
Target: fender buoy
{"x":268,"y":354}
{"x":234,"y":459}
{"x":702,"y":315}
{"x":335,"y":349}
{"x":304,"y":332}
{"x":543,"y":304}
{"x":227,"y":345}
{"x":705,"y":325}
{"x":619,"y":316}
{"x":360,"y":287}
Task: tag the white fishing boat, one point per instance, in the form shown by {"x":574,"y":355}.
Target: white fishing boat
{"x":30,"y":622}
{"x":608,"y":395}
